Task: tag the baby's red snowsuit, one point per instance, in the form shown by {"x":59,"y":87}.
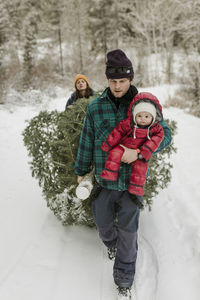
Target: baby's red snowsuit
{"x":126,"y":133}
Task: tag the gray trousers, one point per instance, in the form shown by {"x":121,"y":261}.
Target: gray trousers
{"x":116,"y":217}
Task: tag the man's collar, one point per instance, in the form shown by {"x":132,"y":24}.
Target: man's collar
{"x":130,"y":94}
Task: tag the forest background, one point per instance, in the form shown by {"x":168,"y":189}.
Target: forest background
{"x":45,"y":43}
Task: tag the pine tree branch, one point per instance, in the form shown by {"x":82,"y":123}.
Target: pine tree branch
{"x":57,"y":163}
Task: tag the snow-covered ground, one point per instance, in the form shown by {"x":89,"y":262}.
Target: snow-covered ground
{"x":42,"y":260}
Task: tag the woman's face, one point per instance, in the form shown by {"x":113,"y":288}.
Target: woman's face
{"x":81,"y":85}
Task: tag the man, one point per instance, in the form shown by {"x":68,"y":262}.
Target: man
{"x":103,"y":114}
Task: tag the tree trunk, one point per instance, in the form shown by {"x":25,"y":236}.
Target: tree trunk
{"x":60,"y":46}
{"x":79,"y":39}
{"x":117,"y":24}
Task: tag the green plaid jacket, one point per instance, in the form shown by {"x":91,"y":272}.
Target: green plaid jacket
{"x":101,"y":118}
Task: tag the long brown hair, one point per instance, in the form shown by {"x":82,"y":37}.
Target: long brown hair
{"x":88,"y":93}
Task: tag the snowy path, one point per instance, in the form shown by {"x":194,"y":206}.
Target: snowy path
{"x":42,"y":260}
{"x":146,"y":278}
{"x":172,"y":227}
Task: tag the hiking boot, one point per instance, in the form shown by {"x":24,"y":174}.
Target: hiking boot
{"x":124,"y":293}
{"x":112,"y":253}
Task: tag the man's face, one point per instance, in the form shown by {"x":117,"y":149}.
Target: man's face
{"x":119,"y":87}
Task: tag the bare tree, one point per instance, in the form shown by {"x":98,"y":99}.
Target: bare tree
{"x":189,"y":28}
{"x":155,"y":26}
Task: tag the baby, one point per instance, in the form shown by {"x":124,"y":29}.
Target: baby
{"x":141,"y":131}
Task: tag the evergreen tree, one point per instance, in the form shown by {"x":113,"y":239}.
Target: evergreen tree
{"x":53,"y":13}
{"x":189,"y":28}
{"x":30,"y":31}
{"x":189,"y":25}
{"x":192,"y":85}
{"x":3,"y":38}
{"x":104,"y":26}
{"x":159,"y":170}
{"x":4,"y":23}
{"x":52,"y":140}
{"x":15,"y":17}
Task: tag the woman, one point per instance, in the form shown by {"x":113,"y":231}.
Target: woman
{"x":83,"y":90}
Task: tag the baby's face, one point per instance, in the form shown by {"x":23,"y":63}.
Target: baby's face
{"x":143,"y":118}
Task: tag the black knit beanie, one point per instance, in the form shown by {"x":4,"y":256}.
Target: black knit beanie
{"x":118,"y":65}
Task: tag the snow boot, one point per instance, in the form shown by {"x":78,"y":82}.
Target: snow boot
{"x":124,"y":293}
{"x":112,"y":253}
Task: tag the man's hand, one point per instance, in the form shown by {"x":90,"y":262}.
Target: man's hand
{"x":79,"y":179}
{"x":129,"y":155}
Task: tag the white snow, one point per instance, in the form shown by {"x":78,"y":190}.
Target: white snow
{"x":42,"y":260}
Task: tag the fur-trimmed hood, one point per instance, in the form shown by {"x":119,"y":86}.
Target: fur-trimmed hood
{"x":146,"y":97}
